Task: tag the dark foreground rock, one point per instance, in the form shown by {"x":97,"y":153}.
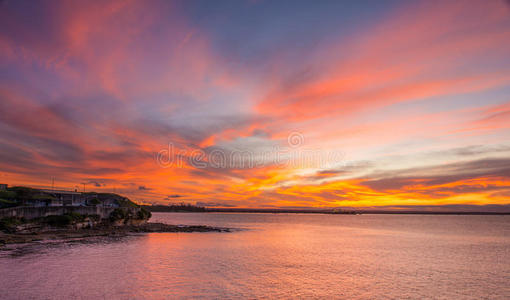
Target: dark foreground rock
{"x":111,"y":231}
{"x":160,"y":227}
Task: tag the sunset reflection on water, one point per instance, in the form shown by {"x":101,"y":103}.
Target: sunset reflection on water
{"x":279,"y":256}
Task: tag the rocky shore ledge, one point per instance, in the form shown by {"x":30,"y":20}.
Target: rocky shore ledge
{"x":32,"y":217}
{"x":110,"y":231}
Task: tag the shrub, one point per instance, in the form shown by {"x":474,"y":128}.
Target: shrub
{"x":9,"y":224}
{"x":144,"y":214}
{"x":118,"y":214}
{"x":94,"y":201}
{"x":7,"y":203}
{"x":7,"y":195}
{"x":117,"y":199}
{"x":64,"y":220}
{"x":76,"y":217}
{"x":23,"y":192}
{"x":58,"y":221}
{"x":125,"y":202}
{"x":94,"y":217}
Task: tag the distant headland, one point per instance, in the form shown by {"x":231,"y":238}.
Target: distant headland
{"x":342,"y":211}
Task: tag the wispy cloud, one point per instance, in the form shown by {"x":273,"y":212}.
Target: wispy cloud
{"x":413,"y":94}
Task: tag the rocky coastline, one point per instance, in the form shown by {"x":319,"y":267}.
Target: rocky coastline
{"x":71,"y":226}
{"x":101,"y":230}
{"x":29,"y":215}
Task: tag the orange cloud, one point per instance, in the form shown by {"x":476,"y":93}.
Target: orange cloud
{"x":418,"y":54}
{"x":111,"y":84}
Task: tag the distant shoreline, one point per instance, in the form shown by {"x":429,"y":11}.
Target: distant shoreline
{"x":329,"y":212}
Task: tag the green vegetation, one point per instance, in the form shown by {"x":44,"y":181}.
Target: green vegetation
{"x":125,"y":214}
{"x":9,"y":224}
{"x":94,"y":217}
{"x":4,"y":203}
{"x":94,"y":201}
{"x":8,"y":199}
{"x":23,"y":192}
{"x":104,"y":197}
{"x":18,"y":195}
{"x":125,"y":202}
{"x":118,"y":214}
{"x":8,"y":195}
{"x":144,"y":214}
{"x":58,"y":221}
{"x":63,"y":220}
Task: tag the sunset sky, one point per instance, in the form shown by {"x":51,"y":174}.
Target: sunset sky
{"x":259,"y":103}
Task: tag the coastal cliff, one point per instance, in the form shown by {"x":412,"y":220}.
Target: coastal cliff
{"x":29,"y":215}
{"x":71,"y":221}
{"x":74,"y":226}
{"x":29,"y":210}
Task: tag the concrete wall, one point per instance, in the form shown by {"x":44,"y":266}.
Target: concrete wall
{"x":29,"y":212}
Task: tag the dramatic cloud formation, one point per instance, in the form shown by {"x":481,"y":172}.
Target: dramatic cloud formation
{"x":258,"y":103}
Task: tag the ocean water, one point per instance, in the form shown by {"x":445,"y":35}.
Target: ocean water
{"x":277,"y":256}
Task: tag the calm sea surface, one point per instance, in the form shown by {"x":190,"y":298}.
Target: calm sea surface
{"x":277,"y":256}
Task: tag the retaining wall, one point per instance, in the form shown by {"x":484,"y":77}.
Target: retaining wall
{"x":30,"y":212}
